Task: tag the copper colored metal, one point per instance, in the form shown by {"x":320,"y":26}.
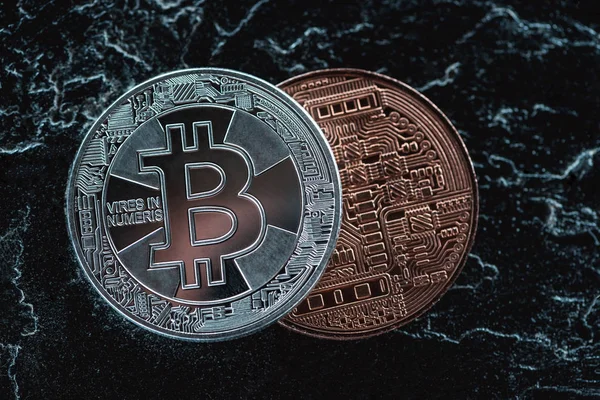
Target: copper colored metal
{"x":410,"y":204}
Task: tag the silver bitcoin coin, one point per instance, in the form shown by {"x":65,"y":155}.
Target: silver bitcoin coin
{"x":204,"y":204}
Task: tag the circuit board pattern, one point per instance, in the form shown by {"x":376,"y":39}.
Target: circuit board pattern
{"x":409,"y":204}
{"x":88,"y":207}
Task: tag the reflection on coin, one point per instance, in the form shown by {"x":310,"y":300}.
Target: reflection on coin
{"x":409,"y":204}
{"x":204,"y":204}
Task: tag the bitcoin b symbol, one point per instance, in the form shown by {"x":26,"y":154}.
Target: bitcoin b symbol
{"x":198,"y":208}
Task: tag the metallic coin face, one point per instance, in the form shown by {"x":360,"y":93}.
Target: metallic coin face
{"x":409,"y":204}
{"x":204,"y":204}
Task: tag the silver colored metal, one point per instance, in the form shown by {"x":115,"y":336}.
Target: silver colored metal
{"x":204,"y":204}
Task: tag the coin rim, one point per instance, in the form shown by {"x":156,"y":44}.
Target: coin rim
{"x":289,"y":304}
{"x":289,"y":324}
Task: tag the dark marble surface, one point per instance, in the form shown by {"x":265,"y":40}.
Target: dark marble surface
{"x":519,"y":80}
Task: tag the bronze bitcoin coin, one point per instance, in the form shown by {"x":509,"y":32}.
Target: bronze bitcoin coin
{"x":409,"y":204}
